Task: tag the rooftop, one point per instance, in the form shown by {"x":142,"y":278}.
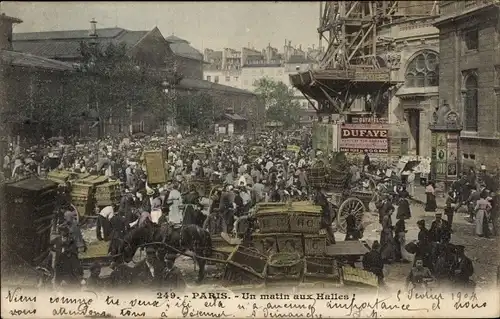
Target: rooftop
{"x":188,"y":83}
{"x":32,"y":61}
{"x":183,"y":48}
{"x":66,"y":44}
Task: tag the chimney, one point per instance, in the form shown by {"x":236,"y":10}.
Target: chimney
{"x":300,"y":47}
{"x":93,"y":28}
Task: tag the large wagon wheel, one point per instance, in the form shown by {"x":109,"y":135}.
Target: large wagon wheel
{"x":350,"y":206}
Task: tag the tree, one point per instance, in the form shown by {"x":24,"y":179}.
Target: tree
{"x":279,"y":102}
{"x":117,"y":82}
{"x":195,"y":111}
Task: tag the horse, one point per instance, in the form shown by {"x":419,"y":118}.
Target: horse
{"x":170,"y":240}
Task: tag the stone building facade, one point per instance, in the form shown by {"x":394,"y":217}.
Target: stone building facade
{"x":469,"y":33}
{"x":412,"y":47}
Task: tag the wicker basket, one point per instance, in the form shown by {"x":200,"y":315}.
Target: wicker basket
{"x":315,"y":245}
{"x":284,"y":267}
{"x":261,"y":243}
{"x":320,"y":269}
{"x":307,"y":220}
{"x":290,"y":243}
{"x":273,"y":221}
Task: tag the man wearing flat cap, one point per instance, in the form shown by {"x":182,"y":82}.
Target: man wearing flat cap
{"x":150,"y":269}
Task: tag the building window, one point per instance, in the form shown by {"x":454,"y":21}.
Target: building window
{"x":470,"y":103}
{"x":423,"y":70}
{"x":216,"y":79}
{"x":471,"y":39}
{"x":209,"y":78}
{"x":236,"y":78}
{"x":228,"y":79}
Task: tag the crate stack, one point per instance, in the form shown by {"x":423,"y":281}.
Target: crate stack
{"x":107,"y":194}
{"x":294,"y":229}
{"x":83,"y":193}
{"x":59,"y":176}
{"x":81,"y":197}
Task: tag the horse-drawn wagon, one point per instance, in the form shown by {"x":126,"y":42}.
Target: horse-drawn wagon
{"x":348,"y":199}
{"x":289,"y":248}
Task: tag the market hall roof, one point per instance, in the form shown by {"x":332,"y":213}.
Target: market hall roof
{"x":183,"y":48}
{"x":194,"y":84}
{"x":66,"y":44}
{"x":33,"y":61}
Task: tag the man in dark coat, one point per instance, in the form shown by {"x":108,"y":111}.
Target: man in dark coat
{"x":67,"y":265}
{"x":440,"y":230}
{"x":424,"y":245}
{"x":463,"y":268}
{"x":326,"y":217}
{"x":119,"y":228}
{"x":149,"y":271}
{"x":372,"y":262}
{"x":226,"y":209}
{"x":384,"y":206}
{"x":190,"y":201}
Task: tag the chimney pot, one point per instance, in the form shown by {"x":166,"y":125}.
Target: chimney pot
{"x":93,"y":28}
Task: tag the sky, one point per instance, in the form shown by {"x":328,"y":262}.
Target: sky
{"x":213,"y":25}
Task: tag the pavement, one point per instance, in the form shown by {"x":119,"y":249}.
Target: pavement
{"x":419,"y":197}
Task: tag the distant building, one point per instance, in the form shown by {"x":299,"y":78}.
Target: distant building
{"x":188,"y":60}
{"x":410,"y":47}
{"x":242,"y":68}
{"x":469,"y":33}
{"x":28,"y":81}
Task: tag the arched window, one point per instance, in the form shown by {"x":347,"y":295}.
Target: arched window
{"x":470,"y":103}
{"x":423,"y":70}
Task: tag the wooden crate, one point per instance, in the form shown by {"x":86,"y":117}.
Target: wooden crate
{"x":305,"y":219}
{"x":321,"y":268}
{"x":273,"y":221}
{"x":290,"y":243}
{"x":245,"y":266}
{"x":358,"y":277}
{"x":93,"y":180}
{"x":107,"y":194}
{"x":315,"y":245}
{"x":155,"y":166}
{"x":59,"y":176}
{"x":259,"y":242}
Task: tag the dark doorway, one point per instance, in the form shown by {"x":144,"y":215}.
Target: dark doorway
{"x":414,"y":124}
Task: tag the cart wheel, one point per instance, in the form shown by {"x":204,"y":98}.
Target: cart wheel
{"x":351,"y":206}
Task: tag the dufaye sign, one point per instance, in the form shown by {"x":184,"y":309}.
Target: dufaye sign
{"x":371,"y":138}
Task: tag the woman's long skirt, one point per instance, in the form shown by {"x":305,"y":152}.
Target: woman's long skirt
{"x":479,"y":222}
{"x":430,"y":205}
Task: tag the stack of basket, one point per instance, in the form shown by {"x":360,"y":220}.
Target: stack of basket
{"x":107,"y":194}
{"x":287,"y":229}
{"x":81,"y":197}
{"x":59,"y":176}
{"x":317,"y":174}
{"x":82,"y":193}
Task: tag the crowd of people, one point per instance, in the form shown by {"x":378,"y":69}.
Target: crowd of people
{"x":241,"y":172}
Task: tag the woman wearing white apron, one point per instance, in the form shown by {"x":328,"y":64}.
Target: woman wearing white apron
{"x":175,"y":200}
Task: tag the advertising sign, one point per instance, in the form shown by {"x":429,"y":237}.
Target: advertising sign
{"x":452,"y":155}
{"x":371,"y":138}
